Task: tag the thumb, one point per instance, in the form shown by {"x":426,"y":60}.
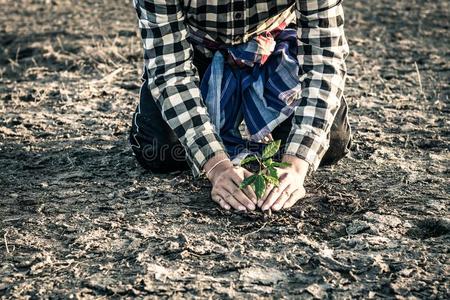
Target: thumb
{"x":247,"y":173}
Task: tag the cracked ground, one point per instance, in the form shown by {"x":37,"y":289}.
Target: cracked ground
{"x":79,"y":218}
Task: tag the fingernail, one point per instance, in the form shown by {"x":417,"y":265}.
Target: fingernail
{"x":276,"y":207}
{"x":252,"y":207}
{"x":265,"y":207}
{"x":227,"y":207}
{"x":259,"y":203}
{"x":241,"y":207}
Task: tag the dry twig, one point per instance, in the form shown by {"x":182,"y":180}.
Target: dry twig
{"x":6,"y":242}
{"x":419,"y":78}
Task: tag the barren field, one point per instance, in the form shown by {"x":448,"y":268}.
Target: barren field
{"x":79,"y":218}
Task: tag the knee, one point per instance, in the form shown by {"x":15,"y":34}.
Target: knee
{"x":157,"y":157}
{"x":339,"y":147}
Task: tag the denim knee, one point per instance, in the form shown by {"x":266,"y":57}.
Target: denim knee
{"x":340,"y":142}
{"x":159,"y":158}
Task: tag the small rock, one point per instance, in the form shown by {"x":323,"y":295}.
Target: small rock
{"x":407,"y":272}
{"x":260,"y":275}
{"x":257,"y":289}
{"x":160,"y":273}
{"x":185,"y":254}
{"x":44,"y":184}
{"x":24,"y":264}
{"x":316,"y":291}
{"x":381,"y":264}
{"x":220,"y":250}
{"x":172,"y":246}
{"x":182,"y":239}
{"x":357,"y":226}
{"x":388,"y":220}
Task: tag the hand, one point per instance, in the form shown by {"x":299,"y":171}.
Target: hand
{"x":290,"y":189}
{"x":225,"y":179}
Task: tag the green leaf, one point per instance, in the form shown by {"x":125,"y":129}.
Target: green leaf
{"x":281,"y":164}
{"x":271,"y":149}
{"x":272,"y":180}
{"x":272,"y":171}
{"x":260,"y":186}
{"x":248,"y":159}
{"x":267,"y":162}
{"x":247,"y":181}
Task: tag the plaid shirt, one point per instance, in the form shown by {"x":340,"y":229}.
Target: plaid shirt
{"x":166,"y":26}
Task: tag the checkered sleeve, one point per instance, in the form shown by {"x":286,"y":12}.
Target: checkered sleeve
{"x":173,"y":79}
{"x":322,"y":49}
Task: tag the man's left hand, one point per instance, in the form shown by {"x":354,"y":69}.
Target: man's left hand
{"x":290,"y":189}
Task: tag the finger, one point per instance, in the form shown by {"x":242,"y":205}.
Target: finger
{"x":228,"y":197}
{"x":243,"y":198}
{"x":239,"y":196}
{"x":221,"y":202}
{"x":297,"y":195}
{"x":247,"y":173}
{"x":285,"y":196}
{"x":236,"y":178}
{"x":218,"y":196}
{"x":278,"y":197}
{"x":269,"y":189}
{"x":248,"y":191}
{"x":233,"y":188}
{"x":231,"y":200}
{"x":274,"y":195}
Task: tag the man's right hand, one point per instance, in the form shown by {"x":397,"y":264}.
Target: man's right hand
{"x":225,"y":179}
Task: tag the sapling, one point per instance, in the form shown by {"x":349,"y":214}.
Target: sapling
{"x":266,"y":173}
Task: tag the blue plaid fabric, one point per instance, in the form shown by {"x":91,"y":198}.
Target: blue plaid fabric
{"x":263,"y":95}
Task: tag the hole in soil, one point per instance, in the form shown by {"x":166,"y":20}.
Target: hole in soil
{"x":430,"y":227}
{"x":26,"y":52}
{"x":6,"y":39}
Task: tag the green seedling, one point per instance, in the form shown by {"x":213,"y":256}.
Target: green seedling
{"x":267,"y":174}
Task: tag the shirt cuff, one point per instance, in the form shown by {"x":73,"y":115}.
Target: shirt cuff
{"x":205,"y":145}
{"x":308,"y":146}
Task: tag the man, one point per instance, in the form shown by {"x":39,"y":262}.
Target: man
{"x":172,"y":128}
